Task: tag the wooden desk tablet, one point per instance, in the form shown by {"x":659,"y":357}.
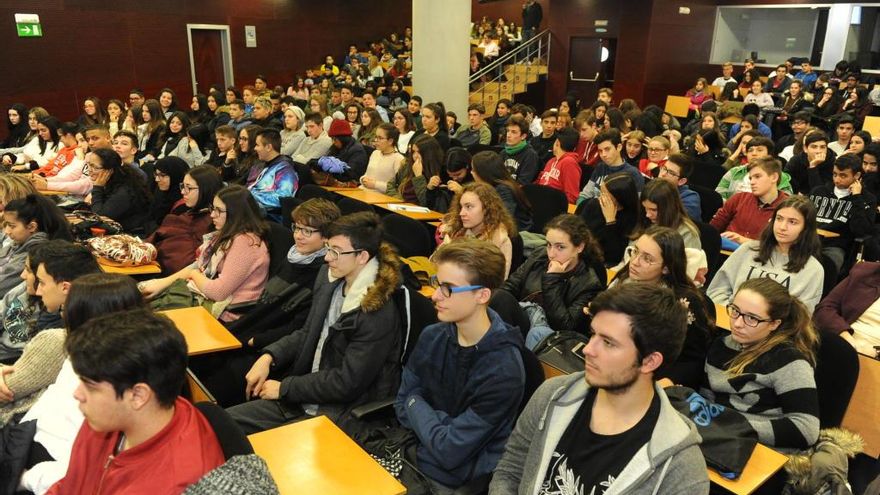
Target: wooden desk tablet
{"x":763,"y":464}
{"x":53,"y":193}
{"x":572,"y":208}
{"x":315,"y":457}
{"x":369,"y":197}
{"x":677,"y":106}
{"x":415,"y":215}
{"x":722,"y":319}
{"x":108,"y":266}
{"x":336,"y":188}
{"x":203,"y":333}
{"x":827,"y":233}
{"x":861,"y":414}
{"x":872,"y":125}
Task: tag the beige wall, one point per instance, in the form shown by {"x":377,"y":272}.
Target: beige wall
{"x":441,"y":49}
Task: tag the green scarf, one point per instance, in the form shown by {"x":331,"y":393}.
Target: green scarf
{"x":512,"y":150}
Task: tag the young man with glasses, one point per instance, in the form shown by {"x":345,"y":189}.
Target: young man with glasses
{"x":463,"y":384}
{"x":610,"y":428}
{"x":676,"y":170}
{"x":347,"y":352}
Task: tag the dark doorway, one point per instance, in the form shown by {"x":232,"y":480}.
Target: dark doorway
{"x":590,"y":66}
{"x":207,"y":53}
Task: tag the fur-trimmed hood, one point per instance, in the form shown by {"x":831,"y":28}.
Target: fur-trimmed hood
{"x":376,"y":283}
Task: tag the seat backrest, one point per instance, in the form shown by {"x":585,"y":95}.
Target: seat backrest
{"x":517,"y":256}
{"x":304,"y":174}
{"x":710,"y":201}
{"x":280,"y":240}
{"x":310,"y":191}
{"x":418,"y":313}
{"x":409,"y":236}
{"x":837,"y":370}
{"x":231,"y":437}
{"x":349,"y":205}
{"x":546,"y":203}
{"x":710,"y":241}
{"x":288,"y":204}
{"x":508,"y":308}
{"x":831,"y":273}
{"x":534,"y":375}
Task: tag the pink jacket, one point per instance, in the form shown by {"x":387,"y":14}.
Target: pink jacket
{"x":241,"y":274}
{"x":73,"y":178}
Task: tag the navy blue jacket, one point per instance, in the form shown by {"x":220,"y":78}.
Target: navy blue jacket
{"x":461,"y":402}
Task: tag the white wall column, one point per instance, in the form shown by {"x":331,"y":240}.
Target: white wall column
{"x":441,"y":52}
{"x":834,"y":48}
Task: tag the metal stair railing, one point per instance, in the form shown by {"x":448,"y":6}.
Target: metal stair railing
{"x":535,"y":51}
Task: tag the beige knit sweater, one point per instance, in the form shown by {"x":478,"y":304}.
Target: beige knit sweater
{"x":36,"y":369}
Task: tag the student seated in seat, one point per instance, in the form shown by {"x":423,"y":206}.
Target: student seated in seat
{"x":463,"y":383}
{"x":560,"y":280}
{"x":277,"y":179}
{"x":232,"y":264}
{"x":347,"y":352}
{"x":41,"y":358}
{"x":658,"y":257}
{"x":137,"y":432}
{"x":610,"y":428}
{"x":477,"y":211}
{"x":562,"y":171}
{"x":189,"y":219}
{"x":785,"y":252}
{"x":56,"y":413}
{"x":764,"y":369}
{"x":745,"y":215}
{"x":119,"y":192}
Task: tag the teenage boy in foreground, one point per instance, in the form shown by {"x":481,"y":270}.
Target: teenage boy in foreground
{"x":463,"y":384}
{"x":610,"y":428}
{"x":138,"y":435}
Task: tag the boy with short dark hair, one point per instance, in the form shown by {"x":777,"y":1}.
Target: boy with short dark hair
{"x":543,"y":143}
{"x":610,"y":428}
{"x":676,"y":170}
{"x":519,"y":158}
{"x":137,"y":431}
{"x":745,"y":215}
{"x":608,"y":144}
{"x":816,"y":154}
{"x":562,"y":172}
{"x":463,"y":384}
{"x":477,"y":131}
{"x":843,"y":207}
{"x":347,"y":352}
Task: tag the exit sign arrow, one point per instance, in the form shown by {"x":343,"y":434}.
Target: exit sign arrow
{"x":29,"y":30}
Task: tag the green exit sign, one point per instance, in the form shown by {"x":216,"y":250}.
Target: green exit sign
{"x":28,"y":30}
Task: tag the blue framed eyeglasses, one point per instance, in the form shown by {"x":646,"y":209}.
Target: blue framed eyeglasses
{"x":448,"y":289}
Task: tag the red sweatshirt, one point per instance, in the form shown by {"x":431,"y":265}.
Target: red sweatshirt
{"x":64,"y":158}
{"x":744,"y":214}
{"x":176,"y":457}
{"x":587,"y":153}
{"x":563,"y":173}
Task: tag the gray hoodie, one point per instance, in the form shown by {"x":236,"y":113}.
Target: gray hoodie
{"x":669,"y":463}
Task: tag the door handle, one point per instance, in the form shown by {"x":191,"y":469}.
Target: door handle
{"x":571,"y":77}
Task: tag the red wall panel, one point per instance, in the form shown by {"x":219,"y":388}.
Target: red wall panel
{"x":94,"y":47}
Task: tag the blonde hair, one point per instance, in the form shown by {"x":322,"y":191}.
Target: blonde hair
{"x":14,"y":186}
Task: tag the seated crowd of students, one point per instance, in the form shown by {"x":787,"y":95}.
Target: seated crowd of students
{"x":324,"y":327}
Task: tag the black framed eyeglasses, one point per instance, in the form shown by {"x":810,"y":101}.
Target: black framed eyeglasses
{"x":748,"y":319}
{"x":334,"y":254}
{"x":448,"y":289}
